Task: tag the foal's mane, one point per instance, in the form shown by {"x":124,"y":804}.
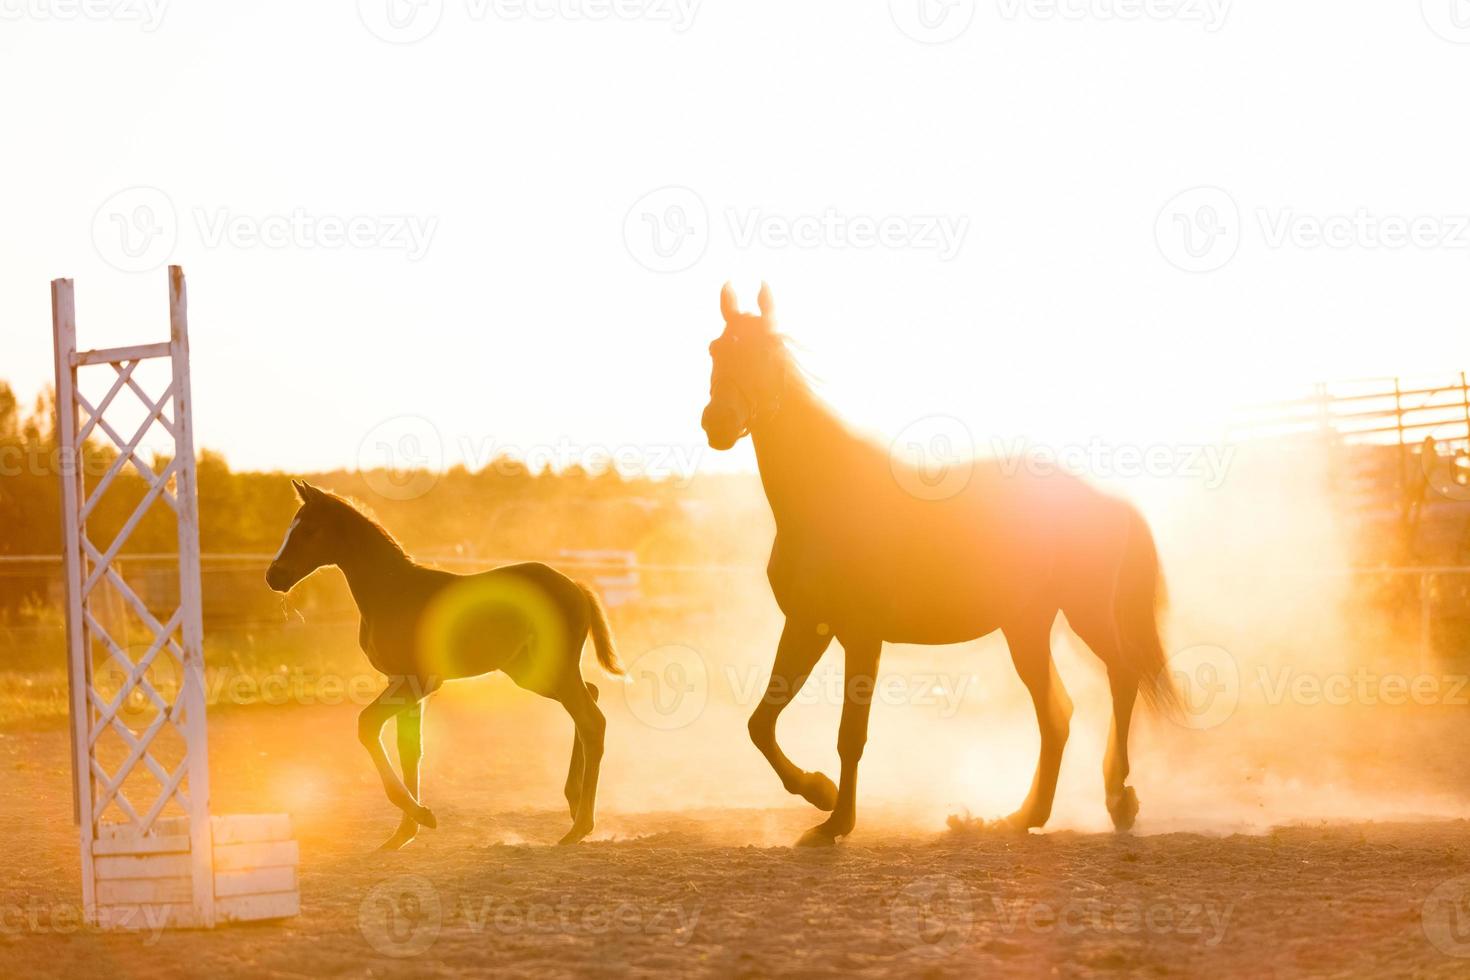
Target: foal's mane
{"x":359,"y":517}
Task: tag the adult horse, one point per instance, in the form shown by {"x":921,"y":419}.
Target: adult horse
{"x":423,"y":626}
{"x":865,"y":553}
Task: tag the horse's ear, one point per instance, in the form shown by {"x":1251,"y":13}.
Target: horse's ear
{"x":300,"y":487}
{"x":767,"y":304}
{"x":729,"y":306}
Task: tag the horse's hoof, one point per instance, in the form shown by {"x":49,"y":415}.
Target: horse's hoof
{"x":574,"y":835}
{"x":1124,"y":809}
{"x":819,"y":791}
{"x":1017,"y":823}
{"x":425,"y":816}
{"x":818,"y":836}
{"x":397,"y":842}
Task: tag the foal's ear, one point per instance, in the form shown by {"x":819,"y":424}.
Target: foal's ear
{"x":767,"y":304}
{"x":729,"y":305}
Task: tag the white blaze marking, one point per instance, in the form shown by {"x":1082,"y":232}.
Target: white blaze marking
{"x":287,"y":540}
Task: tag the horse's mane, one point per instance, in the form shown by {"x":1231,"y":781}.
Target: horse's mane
{"x":359,"y":515}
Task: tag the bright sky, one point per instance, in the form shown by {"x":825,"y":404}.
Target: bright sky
{"x":989,"y":228}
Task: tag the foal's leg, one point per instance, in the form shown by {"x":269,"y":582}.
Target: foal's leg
{"x":860,"y":680}
{"x":397,"y":699}
{"x":591,"y":728}
{"x":802,"y":645}
{"x":1031,"y":653}
{"x":410,"y":754}
{"x":573,"y":790}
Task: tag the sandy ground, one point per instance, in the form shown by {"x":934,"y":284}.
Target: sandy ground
{"x":716,"y":890}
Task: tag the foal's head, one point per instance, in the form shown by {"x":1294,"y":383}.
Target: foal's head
{"x":750,"y":364}
{"x":318,"y":536}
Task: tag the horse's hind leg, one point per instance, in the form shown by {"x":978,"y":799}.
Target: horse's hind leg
{"x":1122,"y":800}
{"x":573,"y":790}
{"x":410,"y":755}
{"x":1100,"y":635}
{"x":1031,"y":653}
{"x":591,"y":729}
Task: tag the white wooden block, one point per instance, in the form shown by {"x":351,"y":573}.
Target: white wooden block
{"x":141,"y":845}
{"x":261,"y":881}
{"x":250,"y":908}
{"x":134,"y":891}
{"x":144,"y":866}
{"x":251,"y":828}
{"x":248,"y":857}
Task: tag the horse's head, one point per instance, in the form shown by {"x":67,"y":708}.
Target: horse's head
{"x":309,"y":543}
{"x":749,"y":370}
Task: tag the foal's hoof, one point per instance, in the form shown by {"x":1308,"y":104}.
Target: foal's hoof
{"x":575,"y":834}
{"x":1123,"y":808}
{"x":402,"y":837}
{"x":424,"y":816}
{"x":818,"y":836}
{"x":819,"y":791}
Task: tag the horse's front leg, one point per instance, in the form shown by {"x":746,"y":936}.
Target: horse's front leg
{"x":399,"y":697}
{"x":860,"y":680}
{"x":410,"y":756}
{"x":802,"y":645}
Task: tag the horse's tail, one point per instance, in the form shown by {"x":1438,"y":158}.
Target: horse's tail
{"x":602,"y":640}
{"x":1137,"y":602}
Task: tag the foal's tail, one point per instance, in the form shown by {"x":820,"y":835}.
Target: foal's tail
{"x":602,"y":641}
{"x":1137,"y":601}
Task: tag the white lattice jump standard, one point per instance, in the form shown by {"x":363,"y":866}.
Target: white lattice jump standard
{"x":152,"y":855}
